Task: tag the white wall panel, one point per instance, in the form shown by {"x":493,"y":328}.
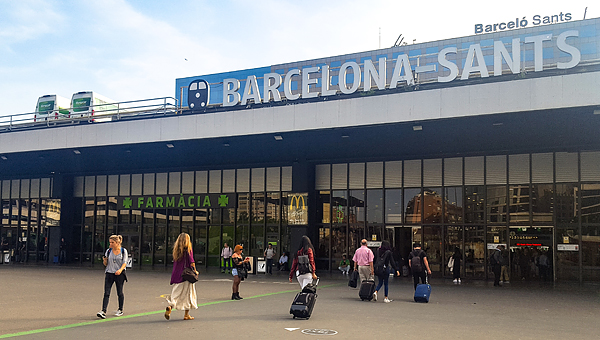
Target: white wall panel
{"x":304,"y":118}
{"x":263,"y":121}
{"x":481,"y":98}
{"x":580,"y":91}
{"x":552,"y":94}
{"x":426,"y":105}
{"x":118,"y":134}
{"x":451,"y":101}
{"x":283,"y":117}
{"x":187,"y":126}
{"x":520,"y":90}
{"x":169,"y":129}
{"x":73,"y":134}
{"x":59,"y":140}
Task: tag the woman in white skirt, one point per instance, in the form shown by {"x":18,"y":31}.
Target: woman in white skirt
{"x":183,"y":295}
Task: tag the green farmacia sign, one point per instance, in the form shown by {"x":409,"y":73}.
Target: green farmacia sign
{"x":208,"y":201}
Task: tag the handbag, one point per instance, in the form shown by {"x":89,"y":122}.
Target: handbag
{"x":353,"y":282}
{"x":189,"y":274}
{"x":451,"y":263}
{"x":242,"y":273}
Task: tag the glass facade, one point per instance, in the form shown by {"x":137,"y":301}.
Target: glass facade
{"x":29,"y":216}
{"x":537,"y":205}
{"x":258,"y":218}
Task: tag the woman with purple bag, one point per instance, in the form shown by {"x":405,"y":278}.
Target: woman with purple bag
{"x":183,"y":296}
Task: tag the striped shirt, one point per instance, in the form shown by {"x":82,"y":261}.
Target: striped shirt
{"x":115,"y":262}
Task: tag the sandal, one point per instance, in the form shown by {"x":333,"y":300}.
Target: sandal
{"x":168,"y":313}
{"x":188,"y":317}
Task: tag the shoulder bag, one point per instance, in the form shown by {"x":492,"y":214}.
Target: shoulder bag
{"x":189,"y":274}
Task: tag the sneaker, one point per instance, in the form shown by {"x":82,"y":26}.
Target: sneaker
{"x":119,"y":313}
{"x":455,"y":281}
{"x":101,"y":315}
{"x":386,"y":300}
{"x":375,"y":296}
{"x":506,"y":281}
{"x":458,"y":280}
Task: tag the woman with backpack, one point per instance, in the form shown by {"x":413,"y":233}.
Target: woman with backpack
{"x":304,"y":263}
{"x":183,"y":296}
{"x":384,"y":262}
{"x":115,"y":260}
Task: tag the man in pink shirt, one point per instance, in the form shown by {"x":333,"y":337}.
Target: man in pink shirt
{"x":363,"y":258}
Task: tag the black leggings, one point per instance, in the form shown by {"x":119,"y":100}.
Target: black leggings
{"x":109,"y":279}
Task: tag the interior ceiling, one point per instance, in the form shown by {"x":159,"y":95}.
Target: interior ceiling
{"x":521,"y":132}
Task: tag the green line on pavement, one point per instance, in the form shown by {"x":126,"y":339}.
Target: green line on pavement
{"x":43,"y":330}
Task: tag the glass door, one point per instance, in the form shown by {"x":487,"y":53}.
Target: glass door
{"x":453,"y":237}
{"x":432,"y":244}
{"x":131,"y":242}
{"x":531,"y":253}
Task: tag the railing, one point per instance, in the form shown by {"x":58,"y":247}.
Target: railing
{"x":135,"y":109}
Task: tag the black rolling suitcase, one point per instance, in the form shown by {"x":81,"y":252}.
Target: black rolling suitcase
{"x":367,"y":288}
{"x":304,"y":302}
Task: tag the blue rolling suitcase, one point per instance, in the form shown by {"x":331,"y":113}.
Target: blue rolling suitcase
{"x":422,"y":293}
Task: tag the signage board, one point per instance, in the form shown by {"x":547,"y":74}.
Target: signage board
{"x":297,"y":208}
{"x":567,"y":247}
{"x":535,"y":20}
{"x":373,"y":244}
{"x":181,"y":201}
{"x":410,"y":66}
{"x":494,"y":245}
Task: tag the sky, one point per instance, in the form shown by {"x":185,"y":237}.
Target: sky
{"x":135,"y":49}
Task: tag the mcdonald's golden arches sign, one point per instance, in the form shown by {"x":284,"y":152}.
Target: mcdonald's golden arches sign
{"x":298,"y":208}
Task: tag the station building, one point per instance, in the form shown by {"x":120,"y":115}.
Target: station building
{"x":465,"y":143}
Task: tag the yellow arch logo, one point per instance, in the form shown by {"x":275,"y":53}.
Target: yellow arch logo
{"x":297,"y":199}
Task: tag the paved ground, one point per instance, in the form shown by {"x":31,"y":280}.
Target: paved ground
{"x":61,"y":303}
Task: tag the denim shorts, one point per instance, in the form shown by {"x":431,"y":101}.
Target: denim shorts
{"x":234,"y":272}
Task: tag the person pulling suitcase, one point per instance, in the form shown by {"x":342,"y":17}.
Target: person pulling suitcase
{"x":417,"y":260}
{"x":363,"y":263}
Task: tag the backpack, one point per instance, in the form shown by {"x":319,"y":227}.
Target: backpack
{"x":496,"y":260}
{"x":493,"y":259}
{"x":416,"y":265}
{"x":379,"y":267}
{"x":304,"y":264}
